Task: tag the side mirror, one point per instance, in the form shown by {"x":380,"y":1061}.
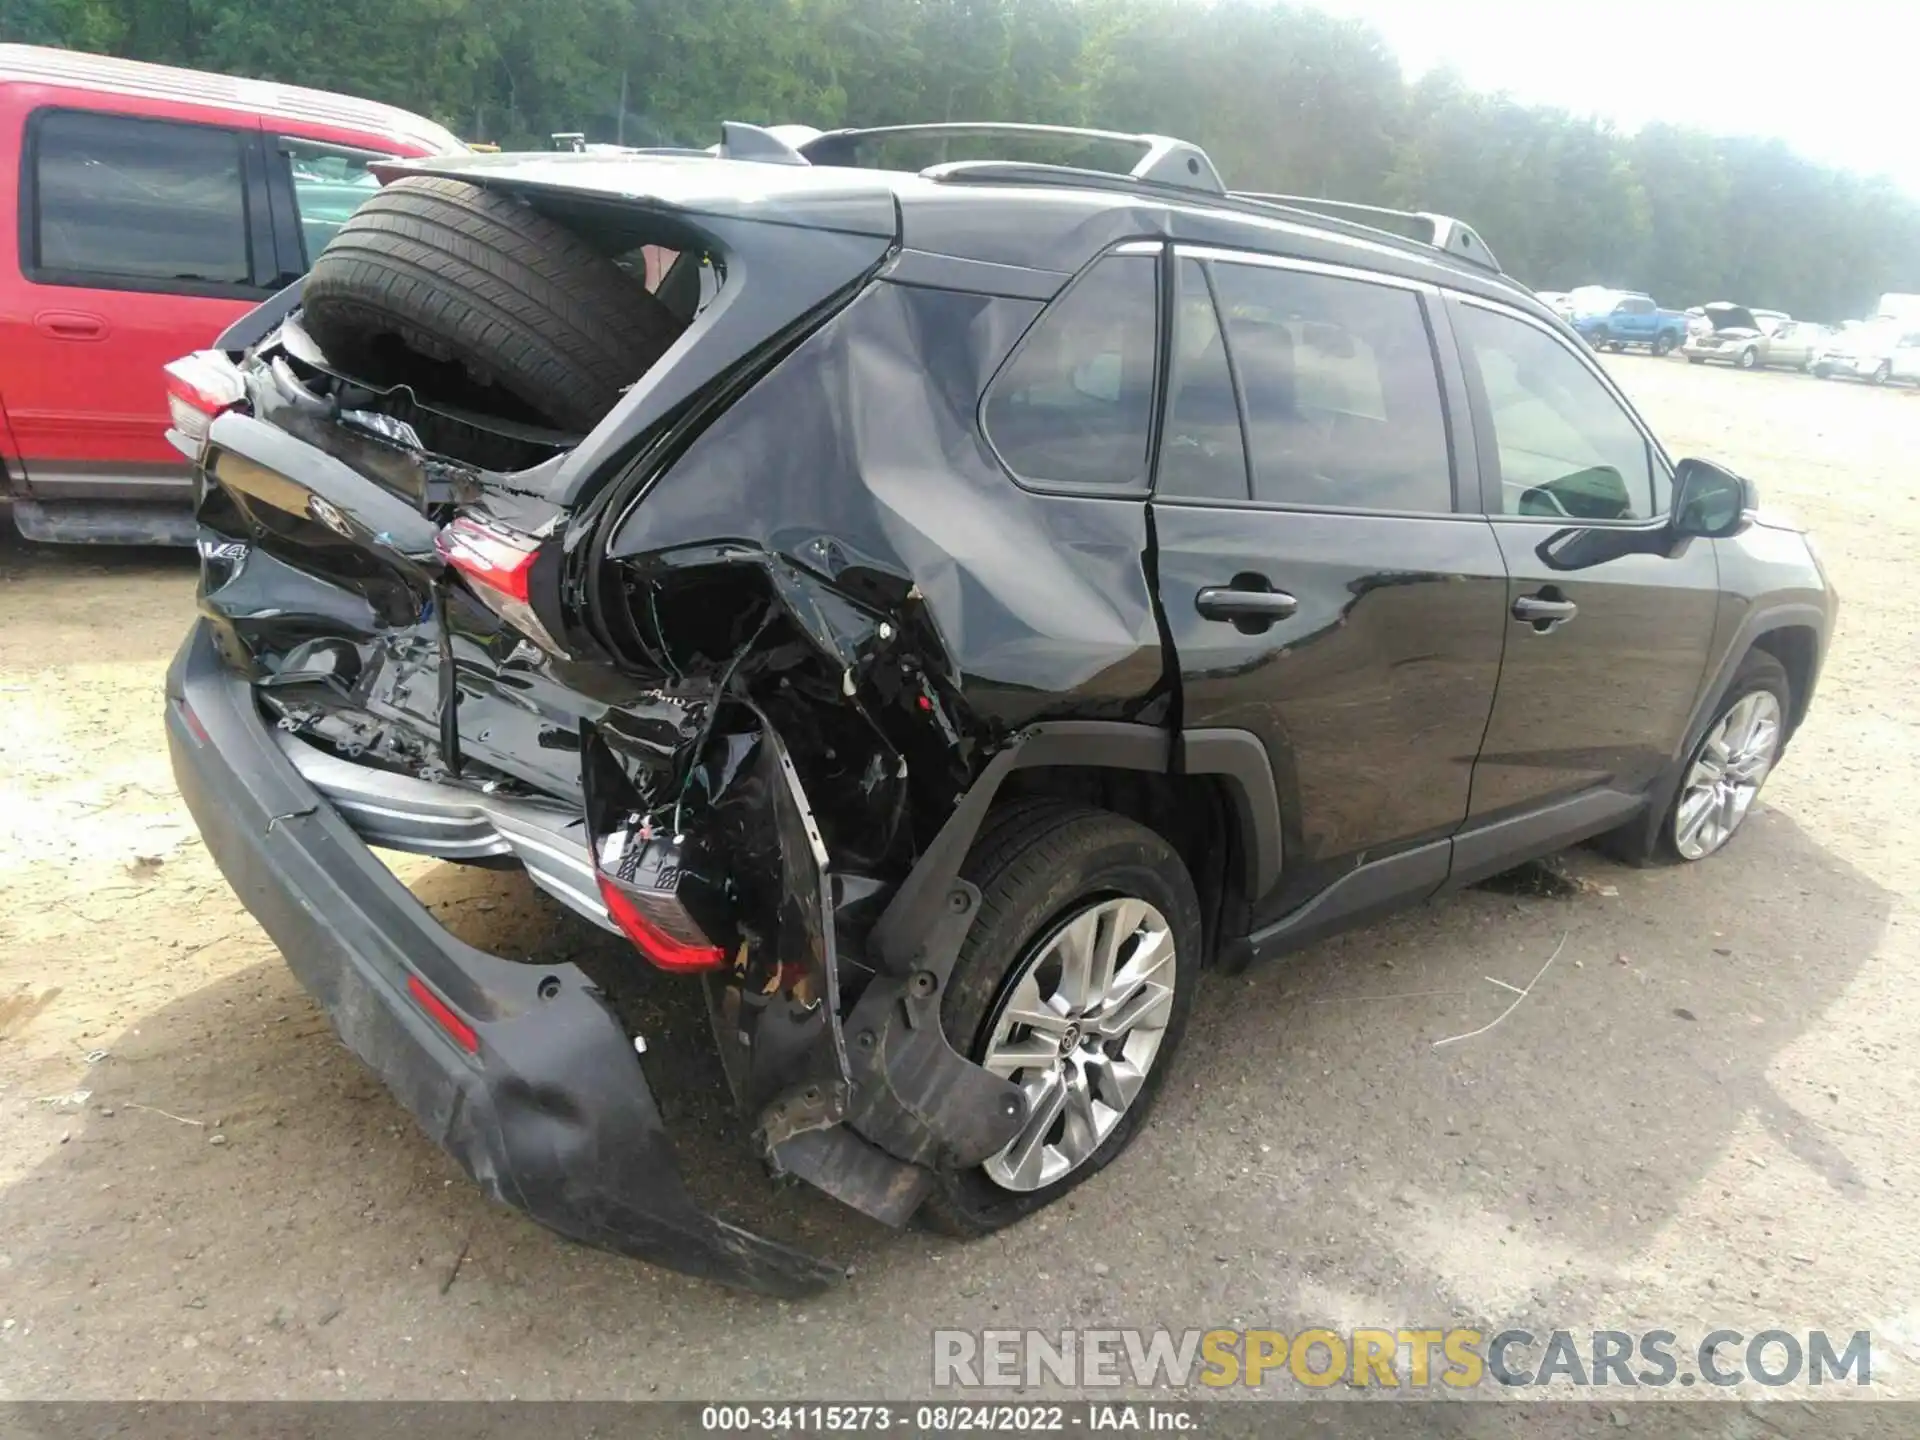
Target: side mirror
{"x":1711,"y":502}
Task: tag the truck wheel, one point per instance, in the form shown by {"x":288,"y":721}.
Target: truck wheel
{"x":1662,"y":345}
{"x":1075,"y":982}
{"x":473,"y":297}
{"x":1617,"y":348}
{"x":1749,"y":358}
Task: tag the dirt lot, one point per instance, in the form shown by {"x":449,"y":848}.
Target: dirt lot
{"x":1705,"y":1115}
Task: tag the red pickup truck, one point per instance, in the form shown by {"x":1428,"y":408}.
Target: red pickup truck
{"x":142,"y":210}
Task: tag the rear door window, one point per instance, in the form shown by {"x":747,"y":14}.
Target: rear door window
{"x":1074,"y":407}
{"x":119,"y":202}
{"x":328,"y":186}
{"x":1341,"y":391}
{"x":1203,"y":453}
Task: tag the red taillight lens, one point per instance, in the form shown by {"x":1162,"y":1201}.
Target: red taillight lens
{"x":491,"y":556}
{"x":649,"y":918}
{"x":442,"y":1015}
{"x":199,"y":387}
{"x":498,"y":566}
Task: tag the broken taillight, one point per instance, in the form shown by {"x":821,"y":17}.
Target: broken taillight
{"x":200,"y":386}
{"x":498,"y":565}
{"x":639,"y":876}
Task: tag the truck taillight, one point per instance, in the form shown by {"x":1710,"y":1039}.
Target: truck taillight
{"x":497,"y":563}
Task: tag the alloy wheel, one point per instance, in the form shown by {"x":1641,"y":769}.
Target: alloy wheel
{"x":1083,"y":1019}
{"x":1727,"y":773}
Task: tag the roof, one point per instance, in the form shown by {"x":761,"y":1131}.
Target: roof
{"x":73,"y":69}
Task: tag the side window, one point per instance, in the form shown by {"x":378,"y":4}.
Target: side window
{"x":327,"y":187}
{"x":1342,"y":398}
{"x":1566,"y":447}
{"x":1203,"y":455}
{"x":1075,"y":404}
{"x":116,"y":199}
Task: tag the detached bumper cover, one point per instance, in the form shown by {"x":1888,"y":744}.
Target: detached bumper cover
{"x":552,"y":1114}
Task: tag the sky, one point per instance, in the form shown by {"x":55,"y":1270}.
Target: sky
{"x":1838,"y":80}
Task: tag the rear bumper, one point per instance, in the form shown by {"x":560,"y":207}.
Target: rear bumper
{"x":551,"y":1113}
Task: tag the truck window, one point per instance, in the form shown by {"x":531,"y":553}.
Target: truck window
{"x":124,"y":203}
{"x":327,"y":187}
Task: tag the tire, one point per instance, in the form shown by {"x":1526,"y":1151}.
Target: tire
{"x":1039,"y":864}
{"x":1759,"y":674}
{"x":1823,"y":372}
{"x":1696,"y":360}
{"x":474,"y":298}
{"x":1882,"y":373}
{"x":1662,"y":346}
{"x":1617,"y":348}
{"x":1749,"y":359}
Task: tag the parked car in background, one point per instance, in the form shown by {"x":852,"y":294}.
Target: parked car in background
{"x":1015,"y":591}
{"x":142,"y":210}
{"x":1751,"y":339}
{"x":1557,"y":301}
{"x":1632,"y":319}
{"x":1877,"y":352}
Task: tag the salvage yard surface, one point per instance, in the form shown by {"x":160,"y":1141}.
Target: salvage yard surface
{"x":1704,"y":1115}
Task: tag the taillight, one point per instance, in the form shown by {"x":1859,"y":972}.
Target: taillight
{"x":639,"y":876}
{"x":498,"y":565}
{"x":199,"y":387}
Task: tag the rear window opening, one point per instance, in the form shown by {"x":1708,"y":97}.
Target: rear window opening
{"x":494,"y":329}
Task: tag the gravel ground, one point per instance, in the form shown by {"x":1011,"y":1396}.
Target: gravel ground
{"x":1703,"y":1116}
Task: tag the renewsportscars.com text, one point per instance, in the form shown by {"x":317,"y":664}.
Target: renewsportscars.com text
{"x":1453,"y":1359}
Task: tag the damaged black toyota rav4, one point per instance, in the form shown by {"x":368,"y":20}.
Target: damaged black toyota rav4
{"x":940,"y":611}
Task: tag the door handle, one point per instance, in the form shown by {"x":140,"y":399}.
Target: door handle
{"x":1545,"y":610}
{"x":70,"y":325}
{"x":1223,"y":603}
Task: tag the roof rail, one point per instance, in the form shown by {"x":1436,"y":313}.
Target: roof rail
{"x":1455,"y":237}
{"x":1163,"y":159}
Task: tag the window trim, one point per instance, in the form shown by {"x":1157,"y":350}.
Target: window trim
{"x":1460,"y":447}
{"x":256,"y":288}
{"x":1152,"y":248}
{"x":1481,"y":409}
{"x":290,"y":238}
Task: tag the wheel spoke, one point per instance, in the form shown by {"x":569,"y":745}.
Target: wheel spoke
{"x":1025,"y":1158}
{"x":1011,"y":1056}
{"x":1082,"y":1135}
{"x":1694,"y":811}
{"x":1140,"y":978}
{"x":1116,"y":1081}
{"x":1075,"y":947}
{"x":1026,"y":1007}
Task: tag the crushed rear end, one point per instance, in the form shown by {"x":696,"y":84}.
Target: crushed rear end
{"x":721,"y":730}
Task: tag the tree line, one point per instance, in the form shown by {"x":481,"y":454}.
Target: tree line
{"x":1284,"y":98}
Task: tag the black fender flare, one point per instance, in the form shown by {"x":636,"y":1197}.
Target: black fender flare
{"x":1759,"y":622}
{"x":915,"y":1096}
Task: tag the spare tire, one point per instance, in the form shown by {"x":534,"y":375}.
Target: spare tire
{"x":491,"y":295}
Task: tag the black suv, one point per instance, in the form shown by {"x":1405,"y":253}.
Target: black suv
{"x":944,"y":611}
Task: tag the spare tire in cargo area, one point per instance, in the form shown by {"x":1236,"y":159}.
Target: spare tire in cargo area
{"x":473,"y":298}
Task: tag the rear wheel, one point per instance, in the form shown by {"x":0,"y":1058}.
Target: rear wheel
{"x":1075,"y":982}
{"x":1662,"y":345}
